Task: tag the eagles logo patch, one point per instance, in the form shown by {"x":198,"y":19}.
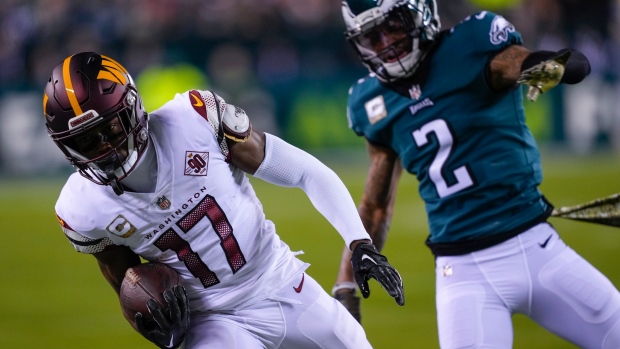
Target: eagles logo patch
{"x":500,"y":28}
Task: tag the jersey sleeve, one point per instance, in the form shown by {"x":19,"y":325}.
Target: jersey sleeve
{"x":226,"y":120}
{"x":74,"y":214}
{"x":82,"y":243}
{"x":362,"y":106}
{"x":212,"y":108}
{"x":469,"y":47}
{"x":351,"y":117}
{"x":490,"y":32}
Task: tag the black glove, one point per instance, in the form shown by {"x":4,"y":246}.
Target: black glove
{"x":369,"y":263}
{"x":171,"y":329}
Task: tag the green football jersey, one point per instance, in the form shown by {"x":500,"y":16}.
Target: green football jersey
{"x":476,"y":160}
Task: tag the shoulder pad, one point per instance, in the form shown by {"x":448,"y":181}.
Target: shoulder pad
{"x":211,"y":107}
{"x":237,"y":126}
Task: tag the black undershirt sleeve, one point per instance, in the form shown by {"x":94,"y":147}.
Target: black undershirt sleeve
{"x":576,"y":69}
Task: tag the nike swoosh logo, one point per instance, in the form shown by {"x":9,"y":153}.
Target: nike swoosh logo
{"x":544,"y":244}
{"x":171,"y":342}
{"x":198,"y":101}
{"x":301,"y":284}
{"x":367,"y":257}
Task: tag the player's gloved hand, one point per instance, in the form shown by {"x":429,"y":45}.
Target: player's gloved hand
{"x":545,"y":75}
{"x":171,"y":328}
{"x":369,"y":263}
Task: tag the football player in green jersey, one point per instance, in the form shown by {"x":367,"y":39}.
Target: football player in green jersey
{"x":447,"y":107}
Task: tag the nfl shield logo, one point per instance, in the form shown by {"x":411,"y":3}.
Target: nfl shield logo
{"x":415,"y":92}
{"x":163,"y":202}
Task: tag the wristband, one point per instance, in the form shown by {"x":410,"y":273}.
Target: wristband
{"x":342,"y":285}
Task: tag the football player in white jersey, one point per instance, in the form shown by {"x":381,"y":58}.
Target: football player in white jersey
{"x":170,"y":186}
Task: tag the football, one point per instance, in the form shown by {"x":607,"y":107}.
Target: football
{"x":143,"y":282}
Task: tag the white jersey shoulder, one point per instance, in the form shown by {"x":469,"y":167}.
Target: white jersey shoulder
{"x":74,"y":213}
{"x":226,"y":120}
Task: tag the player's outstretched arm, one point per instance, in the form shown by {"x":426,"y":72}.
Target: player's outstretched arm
{"x":288,"y":166}
{"x":540,"y":70}
{"x":375,"y":210}
{"x":285,"y":165}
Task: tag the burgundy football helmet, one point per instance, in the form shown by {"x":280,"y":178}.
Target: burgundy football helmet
{"x":94,"y":114}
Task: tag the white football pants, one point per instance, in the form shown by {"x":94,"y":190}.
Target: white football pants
{"x":308,"y":319}
{"x":535,"y":274}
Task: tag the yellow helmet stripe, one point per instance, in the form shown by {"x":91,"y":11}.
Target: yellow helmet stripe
{"x":109,"y":76}
{"x":109,"y":62}
{"x":112,"y":71}
{"x":44,"y":103}
{"x":66,"y":76}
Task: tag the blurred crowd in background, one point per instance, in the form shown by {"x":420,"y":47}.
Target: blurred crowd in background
{"x":285,"y":62}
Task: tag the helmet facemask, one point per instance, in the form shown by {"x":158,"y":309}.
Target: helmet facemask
{"x":105,"y":148}
{"x":393,"y":38}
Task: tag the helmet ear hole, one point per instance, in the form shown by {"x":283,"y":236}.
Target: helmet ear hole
{"x":143,"y":135}
{"x":130,"y":99}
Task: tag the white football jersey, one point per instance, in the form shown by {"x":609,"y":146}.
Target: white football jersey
{"x":204,"y":219}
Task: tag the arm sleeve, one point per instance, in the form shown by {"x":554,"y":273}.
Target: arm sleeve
{"x":288,"y":166}
{"x":576,"y":69}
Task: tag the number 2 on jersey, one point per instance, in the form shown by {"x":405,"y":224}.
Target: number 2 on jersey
{"x":445,"y":140}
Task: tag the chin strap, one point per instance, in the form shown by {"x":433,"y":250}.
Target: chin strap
{"x":116,"y":186}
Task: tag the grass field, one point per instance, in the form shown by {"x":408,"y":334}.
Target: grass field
{"x":53,"y":297}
